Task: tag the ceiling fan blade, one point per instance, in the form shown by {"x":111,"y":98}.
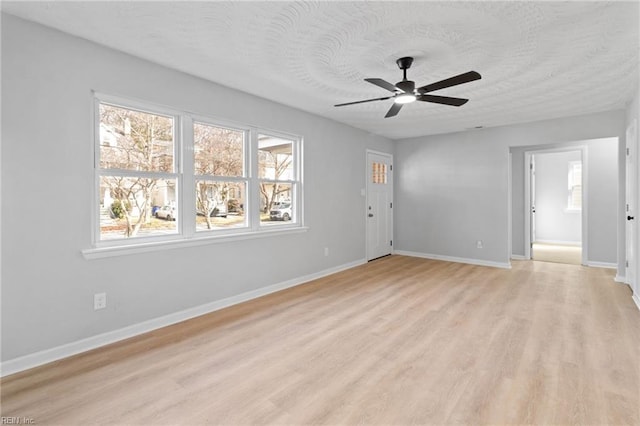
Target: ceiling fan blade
{"x":367,"y":100}
{"x":442,"y":100}
{"x":394,"y":110}
{"x":382,"y":83}
{"x":452,"y":81}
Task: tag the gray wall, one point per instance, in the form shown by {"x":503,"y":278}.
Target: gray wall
{"x":451,"y":190}
{"x":554,"y":223}
{"x":47,"y":175}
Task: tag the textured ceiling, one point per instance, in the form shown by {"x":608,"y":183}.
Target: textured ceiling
{"x":538,"y":60}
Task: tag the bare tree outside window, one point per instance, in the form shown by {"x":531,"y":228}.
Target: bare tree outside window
{"x":134,"y":141}
{"x":219,"y":155}
{"x":275,"y":169}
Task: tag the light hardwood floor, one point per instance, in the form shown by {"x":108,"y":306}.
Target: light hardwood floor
{"x":398,"y":341}
{"x":559,"y":253}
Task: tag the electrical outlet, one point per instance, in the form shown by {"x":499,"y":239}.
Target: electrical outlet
{"x":479,"y":244}
{"x":99,"y":301}
{"x":326,"y":251}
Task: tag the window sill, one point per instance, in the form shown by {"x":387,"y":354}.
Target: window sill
{"x":123,"y":250}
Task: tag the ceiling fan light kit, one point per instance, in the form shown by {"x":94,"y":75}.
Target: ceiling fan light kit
{"x":405,"y":98}
{"x":405,"y":92}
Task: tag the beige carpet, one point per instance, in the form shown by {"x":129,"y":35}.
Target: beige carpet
{"x":557,"y":253}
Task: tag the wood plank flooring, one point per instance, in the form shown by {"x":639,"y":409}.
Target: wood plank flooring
{"x":559,"y":253}
{"x":397,"y":341}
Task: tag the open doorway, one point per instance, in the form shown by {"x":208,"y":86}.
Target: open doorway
{"x":556,"y":206}
{"x":602,"y":202}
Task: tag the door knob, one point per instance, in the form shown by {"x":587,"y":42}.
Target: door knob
{"x":630,"y":217}
{"x":370,"y":214}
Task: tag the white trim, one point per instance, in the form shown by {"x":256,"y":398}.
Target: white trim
{"x":63,"y":351}
{"x":527,"y":205}
{"x":455,"y":259}
{"x":584,"y":157}
{"x":509,"y":205}
{"x":143,"y":247}
{"x":607,"y":265}
{"x":630,"y":207}
{"x":527,"y":200}
{"x":620,"y":279}
{"x":636,"y":299}
{"x":518,"y":257}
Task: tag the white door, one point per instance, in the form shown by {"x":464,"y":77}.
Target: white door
{"x":379,"y":204}
{"x":630,"y":228}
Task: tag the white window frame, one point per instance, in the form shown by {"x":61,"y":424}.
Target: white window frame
{"x":191,"y":177}
{"x":296,"y":182}
{"x":184,"y":174}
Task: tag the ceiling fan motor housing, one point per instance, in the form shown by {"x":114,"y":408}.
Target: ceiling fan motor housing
{"x":406,"y":86}
{"x":405,"y":63}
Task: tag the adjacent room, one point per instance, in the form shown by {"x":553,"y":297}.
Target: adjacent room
{"x":329,"y":213}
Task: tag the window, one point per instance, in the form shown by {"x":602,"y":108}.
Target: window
{"x":276,"y":179}
{"x":136,"y":172}
{"x":156,"y":183}
{"x":378,"y":173}
{"x":221,"y":179}
{"x":575,"y":186}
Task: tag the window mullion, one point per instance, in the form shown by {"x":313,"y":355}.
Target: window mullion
{"x":222,"y":178}
{"x":188,"y":187}
{"x":136,"y":174}
{"x":253,"y":206}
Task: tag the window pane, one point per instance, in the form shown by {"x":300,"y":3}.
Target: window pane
{"x":275,"y":158}
{"x":218,"y":151}
{"x":575,"y":201}
{"x":379,"y":173}
{"x":275,"y":200}
{"x":137,"y":207}
{"x":220,"y":204}
{"x":134,"y":140}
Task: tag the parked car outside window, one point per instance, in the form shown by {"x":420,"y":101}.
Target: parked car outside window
{"x":220,"y":210}
{"x":167,"y":212}
{"x":280,"y":211}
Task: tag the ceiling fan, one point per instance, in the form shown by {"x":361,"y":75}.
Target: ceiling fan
{"x":405,"y":91}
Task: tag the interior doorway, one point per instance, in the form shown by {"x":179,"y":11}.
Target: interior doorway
{"x":556,"y":211}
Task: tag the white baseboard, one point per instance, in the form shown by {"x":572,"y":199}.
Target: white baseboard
{"x":637,"y":300}
{"x":455,"y":259}
{"x":620,"y":279}
{"x":602,"y":265}
{"x":49,"y":355}
{"x":518,"y":257}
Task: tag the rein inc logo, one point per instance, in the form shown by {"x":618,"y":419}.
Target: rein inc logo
{"x":17,"y":420}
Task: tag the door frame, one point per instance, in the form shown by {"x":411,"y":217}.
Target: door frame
{"x":367,"y":187}
{"x":527,"y":196}
{"x":631,"y":207}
